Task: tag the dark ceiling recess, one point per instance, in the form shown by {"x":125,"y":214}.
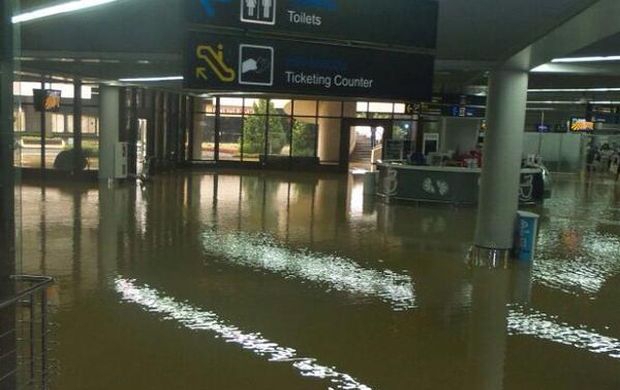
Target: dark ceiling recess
{"x":472,"y":36}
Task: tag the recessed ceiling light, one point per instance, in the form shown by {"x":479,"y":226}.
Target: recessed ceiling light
{"x":615,"y":89}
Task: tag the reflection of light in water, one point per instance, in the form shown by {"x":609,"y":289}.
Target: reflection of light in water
{"x":542,"y":326}
{"x":357,"y":198}
{"x":341,"y":274}
{"x":586,"y":272}
{"x":195,"y":319}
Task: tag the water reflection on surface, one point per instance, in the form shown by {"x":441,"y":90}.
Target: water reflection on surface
{"x":338,"y":273}
{"x":195,"y":319}
{"x":380,"y":291}
{"x":530,"y":322}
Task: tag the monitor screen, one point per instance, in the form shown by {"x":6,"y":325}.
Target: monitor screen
{"x":580,"y":125}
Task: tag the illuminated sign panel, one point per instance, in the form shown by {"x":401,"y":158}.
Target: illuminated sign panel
{"x":581,"y":125}
{"x":46,"y":100}
{"x":411,"y":23}
{"x":225,"y":63}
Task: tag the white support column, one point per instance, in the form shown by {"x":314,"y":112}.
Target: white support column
{"x":110,"y":127}
{"x":503,"y":148}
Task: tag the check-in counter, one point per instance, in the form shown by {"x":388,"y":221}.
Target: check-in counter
{"x":447,"y":184}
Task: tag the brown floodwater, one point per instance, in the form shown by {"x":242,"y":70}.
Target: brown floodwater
{"x":276,"y":281}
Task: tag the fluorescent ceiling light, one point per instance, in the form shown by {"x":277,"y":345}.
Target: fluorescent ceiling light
{"x":557,"y":102}
{"x":151,"y":79}
{"x":608,"y":102}
{"x":575,"y":90}
{"x":63,"y":8}
{"x":587,"y":59}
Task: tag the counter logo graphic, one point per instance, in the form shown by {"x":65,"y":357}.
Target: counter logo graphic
{"x":390,"y":182}
{"x":256,"y":65}
{"x":214,"y":59}
{"x":440,"y":187}
{"x":258,"y":11}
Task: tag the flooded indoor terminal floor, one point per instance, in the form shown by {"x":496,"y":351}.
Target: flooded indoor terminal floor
{"x":276,"y":281}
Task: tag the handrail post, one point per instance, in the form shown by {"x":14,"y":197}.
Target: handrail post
{"x":32,"y":359}
{"x":43,"y":339}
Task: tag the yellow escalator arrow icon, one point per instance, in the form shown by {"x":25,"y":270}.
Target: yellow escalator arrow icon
{"x":201,"y":73}
{"x":214,"y":58}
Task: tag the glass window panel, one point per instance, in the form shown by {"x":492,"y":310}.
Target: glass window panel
{"x":20,"y":120}
{"x":230,"y":137}
{"x":206,"y":105}
{"x":304,"y":137}
{"x":253,"y":137}
{"x":402,"y":130}
{"x":57,"y":122}
{"x":204,"y":137}
{"x":56,"y":142}
{"x":90,"y":124}
{"x":281,"y":106}
{"x":231,"y":106}
{"x":28,"y":144}
{"x":90,"y":148}
{"x":278,"y":137}
{"x":305,"y":108}
{"x":255,"y":106}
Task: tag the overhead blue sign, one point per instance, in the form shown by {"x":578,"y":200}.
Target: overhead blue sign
{"x":410,"y":23}
{"x":216,"y":62}
{"x":209,"y":6}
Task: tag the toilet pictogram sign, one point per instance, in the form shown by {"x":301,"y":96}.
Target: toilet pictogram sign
{"x":258,"y":11}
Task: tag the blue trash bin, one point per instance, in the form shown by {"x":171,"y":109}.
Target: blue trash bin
{"x":527,"y":232}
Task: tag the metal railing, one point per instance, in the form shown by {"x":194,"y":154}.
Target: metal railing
{"x":24,"y":343}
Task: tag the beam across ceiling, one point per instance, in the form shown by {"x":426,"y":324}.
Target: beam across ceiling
{"x":594,"y":24}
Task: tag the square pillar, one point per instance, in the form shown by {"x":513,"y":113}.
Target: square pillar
{"x":110,"y":129}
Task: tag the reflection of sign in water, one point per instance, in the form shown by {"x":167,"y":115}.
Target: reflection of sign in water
{"x":390,"y":182}
{"x":214,"y":59}
{"x":255,"y":65}
{"x":435,"y":187}
{"x":526,"y":190}
{"x":258,"y":11}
